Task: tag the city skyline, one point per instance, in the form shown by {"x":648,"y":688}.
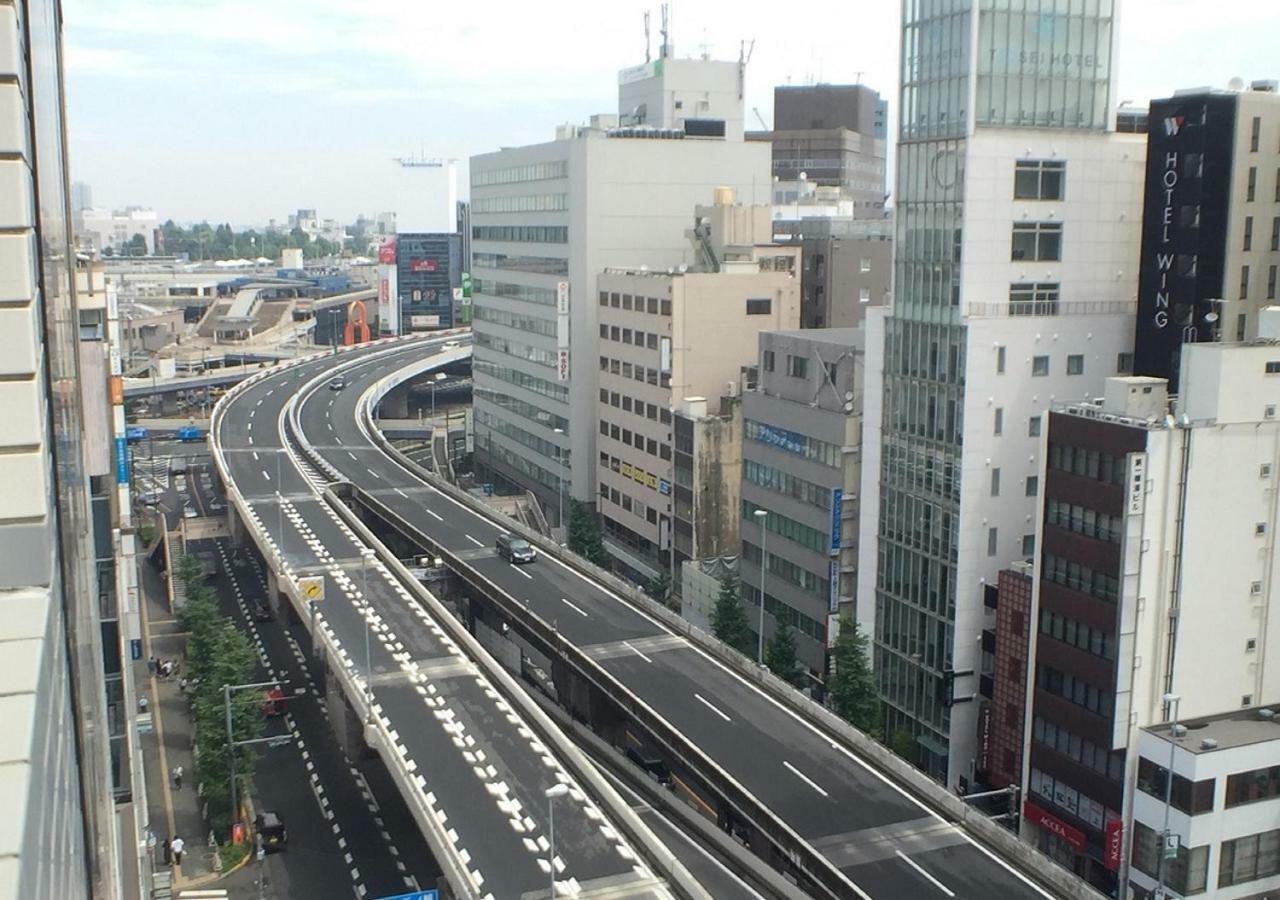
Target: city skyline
{"x":254,"y":136}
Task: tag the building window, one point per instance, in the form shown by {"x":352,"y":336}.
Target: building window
{"x":1244,"y":282}
{"x":864,"y":264}
{"x":993,"y":541}
{"x":1033,"y":299}
{"x":1001,"y":353}
{"x":766,"y":360}
{"x":1033,"y":485}
{"x":1260,"y":529}
{"x":1275,"y":231}
{"x":1271,"y":282}
{"x":1039,"y":366}
{"x":1028,"y":547}
{"x":1255,"y":134}
{"x":665,"y":307}
{"x":1248,"y":233}
{"x":1187,"y":874}
{"x":1249,"y":858}
{"x":1037,"y":241}
{"x":1124,"y":363}
{"x":1272,"y":367}
{"x":1038,"y":179}
{"x":759,"y":307}
{"x":1075,"y":364}
{"x":864,"y":295}
{"x":995,"y":482}
{"x":797,"y":367}
{"x":999,"y":421}
{"x":651,"y":305}
{"x":1251,"y":189}
{"x":1033,"y":426}
{"x":1251,"y":645}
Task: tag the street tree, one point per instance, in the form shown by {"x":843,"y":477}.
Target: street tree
{"x":584,"y":534}
{"x":780,"y":652}
{"x":853,"y":686}
{"x":728,"y":620}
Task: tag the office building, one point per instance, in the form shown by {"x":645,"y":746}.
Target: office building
{"x":1211,"y":222}
{"x":695,"y":97}
{"x":847,"y":268}
{"x":562,"y":212}
{"x":801,"y":464}
{"x":1154,"y":578}
{"x":654,"y":355}
{"x":706,"y":446}
{"x":107,"y":229}
{"x":60,"y":838}
{"x":1018,"y":213}
{"x":1224,"y":807}
{"x":428,"y":276}
{"x":1006,"y":648}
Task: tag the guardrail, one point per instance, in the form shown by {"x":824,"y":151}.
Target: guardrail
{"x":987,"y":835}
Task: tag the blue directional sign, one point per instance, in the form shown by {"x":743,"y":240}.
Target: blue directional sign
{"x":416,"y":895}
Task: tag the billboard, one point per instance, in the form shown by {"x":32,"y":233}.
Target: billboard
{"x":424,"y":265}
{"x":387,"y":252}
{"x":388,"y":300}
{"x":562,"y":365}
{"x":424,"y":321}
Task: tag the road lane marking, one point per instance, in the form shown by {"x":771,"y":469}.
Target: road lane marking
{"x":572,"y":606}
{"x":474,"y":541}
{"x":375,"y":474}
{"x":636,"y":652}
{"x":711,"y":706}
{"x":435,"y":515}
{"x":265,"y":475}
{"x":250,"y":439}
{"x":352,"y":455}
{"x":805,"y":778}
{"x":530,"y":577}
{"x":935,"y":882}
{"x":402,"y":493}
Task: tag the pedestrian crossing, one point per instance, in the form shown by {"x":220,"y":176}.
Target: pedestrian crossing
{"x":152,"y":473}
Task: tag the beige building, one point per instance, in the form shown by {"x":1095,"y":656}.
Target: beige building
{"x":665,"y":337}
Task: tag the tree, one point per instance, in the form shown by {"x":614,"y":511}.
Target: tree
{"x":853,"y":686}
{"x":584,"y":534}
{"x":780,"y":652}
{"x":188,"y":569}
{"x":659,"y":588}
{"x":903,"y":743}
{"x":729,"y":620}
{"x":137,"y":246}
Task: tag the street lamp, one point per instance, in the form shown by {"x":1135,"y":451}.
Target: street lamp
{"x":761,"y":515}
{"x":436,"y":379}
{"x":551,"y":793}
{"x":367,"y":555}
{"x":1171,"y":701}
{"x":560,"y":482}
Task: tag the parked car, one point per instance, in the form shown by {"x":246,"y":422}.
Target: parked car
{"x":189,"y":433}
{"x":270,"y":827}
{"x":135,"y":433}
{"x":337,"y":384}
{"x":515,"y":549}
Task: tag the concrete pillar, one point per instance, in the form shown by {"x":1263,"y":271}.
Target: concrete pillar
{"x":347,"y":727}
{"x":396,"y":404}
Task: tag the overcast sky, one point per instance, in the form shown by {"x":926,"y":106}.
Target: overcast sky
{"x":244,"y":110}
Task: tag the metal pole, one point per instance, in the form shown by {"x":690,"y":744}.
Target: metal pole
{"x":279,"y":509}
{"x":433,"y":399}
{"x":231,"y":754}
{"x":763,"y":555}
{"x":315,"y":642}
{"x":551,"y":818}
{"x":1172,"y":700}
{"x":368,"y":653}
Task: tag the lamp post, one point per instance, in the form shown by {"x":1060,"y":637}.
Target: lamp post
{"x":436,"y":379}
{"x":560,"y":485}
{"x":551,"y":793}
{"x":367,"y":555}
{"x":761,"y":515}
{"x":280,"y":507}
{"x":1170,"y":700}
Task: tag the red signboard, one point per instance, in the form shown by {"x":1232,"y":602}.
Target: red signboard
{"x":387,"y":252}
{"x":1053,"y":825}
{"x":1113,"y":843}
{"x":423,"y":265}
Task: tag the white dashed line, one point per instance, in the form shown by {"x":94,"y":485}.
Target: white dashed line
{"x":636,"y":652}
{"x":435,"y":515}
{"x":803,"y":777}
{"x":572,"y":606}
{"x":474,"y":541}
{"x":935,"y":882}
{"x":711,"y":706}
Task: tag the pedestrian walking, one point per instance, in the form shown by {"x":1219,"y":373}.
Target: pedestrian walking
{"x":177,"y":845}
{"x":143,"y":703}
{"x":152,"y":667}
{"x":182,"y":686}
{"x":177,"y":777}
{"x":166,"y":852}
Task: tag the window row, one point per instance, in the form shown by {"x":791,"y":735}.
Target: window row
{"x":540,"y":171}
{"x":1252,"y":786}
{"x":654,"y":306}
{"x":521,"y":204}
{"x":796,"y":532}
{"x":539,"y":265}
{"x":651,"y":446}
{"x":784,"y":612}
{"x":531,"y":324}
{"x":527,"y":293}
{"x":518,"y":349}
{"x":515,"y":433}
{"x":522,"y":234}
{"x":1187,"y":873}
{"x":640,"y":373}
{"x":1077,"y":634}
{"x":525,"y":410}
{"x":627,"y":503}
{"x":1040,"y":365}
{"x":1074,"y":689}
{"x":1082,"y":750}
{"x":785,"y":483}
{"x":1087,"y":463}
{"x":1083,"y":520}
{"x":793,"y":442}
{"x":792,"y":574}
{"x":1249,"y":858}
{"x":1065,"y":796}
{"x":625,"y":403}
{"x":554,"y":390}
{"x":1079,"y":578}
{"x":1191,"y":798}
{"x":647,"y":339}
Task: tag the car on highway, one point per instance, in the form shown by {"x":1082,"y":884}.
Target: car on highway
{"x":189,"y":433}
{"x":270,"y":828}
{"x":135,"y":433}
{"x":337,"y":384}
{"x":515,"y":549}
{"x":450,"y":345}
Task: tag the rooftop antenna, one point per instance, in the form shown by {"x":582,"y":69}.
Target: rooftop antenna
{"x":705,"y":46}
{"x":857,"y":78}
{"x":664,"y":49}
{"x":744,"y":56}
{"x":646,"y":36}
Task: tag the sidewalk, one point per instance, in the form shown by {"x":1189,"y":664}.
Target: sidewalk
{"x":170,"y":811}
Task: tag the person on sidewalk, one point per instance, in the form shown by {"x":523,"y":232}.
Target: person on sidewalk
{"x":143,"y":703}
{"x":177,"y":845}
{"x":177,"y":777}
{"x":166,"y":852}
{"x":152,"y":667}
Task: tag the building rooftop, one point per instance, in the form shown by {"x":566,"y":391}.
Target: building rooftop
{"x":1224,"y":731}
{"x":842,"y":337}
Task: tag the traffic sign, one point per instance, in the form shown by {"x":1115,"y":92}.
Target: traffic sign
{"x":416,"y":895}
{"x":312,"y":587}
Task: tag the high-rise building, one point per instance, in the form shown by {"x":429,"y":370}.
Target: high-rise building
{"x":801,"y":464}
{"x":1211,"y":222}
{"x":847,"y":268}
{"x":1018,"y":213}
{"x":1155,"y":577}
{"x":428,"y":272}
{"x":654,"y":355}
{"x":561,"y":212}
{"x":56,"y":791}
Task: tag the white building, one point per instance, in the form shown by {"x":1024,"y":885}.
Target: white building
{"x":563,"y":211}
{"x":103,"y":228}
{"x":426,"y":197}
{"x":1018,"y":211}
{"x":696,"y":96}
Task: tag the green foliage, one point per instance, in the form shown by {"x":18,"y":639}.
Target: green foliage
{"x":659,"y":588}
{"x":205,"y":242}
{"x":853,"y":686}
{"x":903,"y":744}
{"x":137,"y":246}
{"x":729,"y":620}
{"x":188,"y":569}
{"x":584,"y":534}
{"x":780,"y":652}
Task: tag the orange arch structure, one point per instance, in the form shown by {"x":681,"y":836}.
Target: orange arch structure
{"x":357,"y":330}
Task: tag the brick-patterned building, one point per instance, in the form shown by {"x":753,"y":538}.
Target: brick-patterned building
{"x":1001,"y":719}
